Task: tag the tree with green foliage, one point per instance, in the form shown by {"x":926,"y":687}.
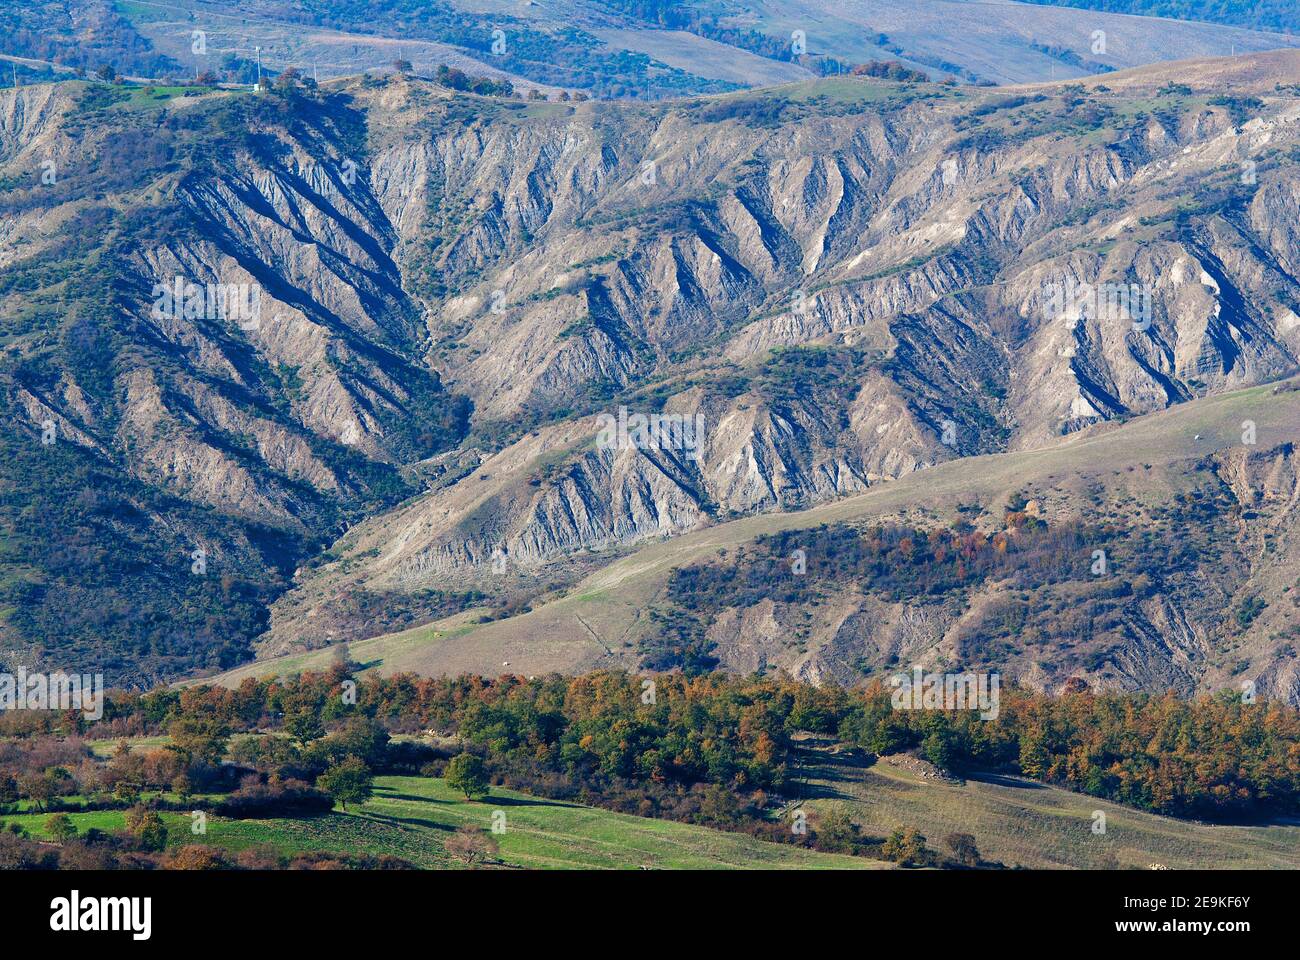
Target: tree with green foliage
{"x":358,"y":736}
{"x":303,"y":725}
{"x":201,"y":738}
{"x":938,"y":746}
{"x":836,"y":830}
{"x":467,"y":774}
{"x":60,"y":827}
{"x":147,"y":828}
{"x":348,"y":781}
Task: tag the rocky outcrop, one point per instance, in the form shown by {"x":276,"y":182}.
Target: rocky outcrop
{"x":839,"y":290}
{"x":595,"y":257}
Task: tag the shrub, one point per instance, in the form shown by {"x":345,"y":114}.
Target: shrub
{"x":255,"y":800}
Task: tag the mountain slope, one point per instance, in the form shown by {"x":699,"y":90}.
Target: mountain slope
{"x":644,"y":48}
{"x":897,"y":256}
{"x":1155,"y":494}
{"x":1010,"y":42}
{"x":842,"y":281}
{"x":1260,"y":14}
{"x":166,"y":469}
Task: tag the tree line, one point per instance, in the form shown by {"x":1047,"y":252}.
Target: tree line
{"x":659,"y":744}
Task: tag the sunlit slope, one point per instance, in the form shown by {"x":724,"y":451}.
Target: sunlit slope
{"x":1021,"y":823}
{"x":597,"y":623}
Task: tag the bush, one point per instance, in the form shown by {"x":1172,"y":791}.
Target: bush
{"x":963,"y":849}
{"x":906,"y":848}
{"x":146,"y":828}
{"x":288,"y":798}
{"x":470,"y":845}
{"x":196,"y":856}
{"x":348,"y":781}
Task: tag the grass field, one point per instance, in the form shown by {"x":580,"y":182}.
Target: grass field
{"x":107,"y":747}
{"x":410,"y":817}
{"x":1015,"y":821}
{"x":1023,"y":823}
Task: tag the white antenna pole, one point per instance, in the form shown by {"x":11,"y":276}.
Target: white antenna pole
{"x":259,"y":67}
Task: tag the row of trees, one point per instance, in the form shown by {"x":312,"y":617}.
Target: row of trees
{"x":660,"y":739}
{"x":715,"y":750}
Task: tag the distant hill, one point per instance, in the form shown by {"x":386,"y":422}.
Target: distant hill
{"x":999,"y":42}
{"x":1023,"y":823}
{"x":83,"y":35}
{"x":641,"y":49}
{"x":1281,"y":15}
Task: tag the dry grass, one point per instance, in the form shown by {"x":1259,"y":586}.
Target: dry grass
{"x":1023,"y":823}
{"x":597,"y":622}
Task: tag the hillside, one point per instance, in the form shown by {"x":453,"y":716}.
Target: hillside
{"x":1014,"y":821}
{"x":1022,"y":823}
{"x":800,"y":426}
{"x":633,"y":48}
{"x":1259,"y":14}
{"x":411,"y":818}
{"x":160,"y":445}
{"x":1216,"y":530}
{"x":1009,"y":42}
{"x":848,"y":279}
{"x":652,"y":49}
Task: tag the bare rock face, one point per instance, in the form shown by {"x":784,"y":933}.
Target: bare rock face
{"x":847,"y":231}
{"x":839,"y":285}
{"x":1199,"y":596}
{"x":1004,"y":291}
{"x":216,"y":343}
